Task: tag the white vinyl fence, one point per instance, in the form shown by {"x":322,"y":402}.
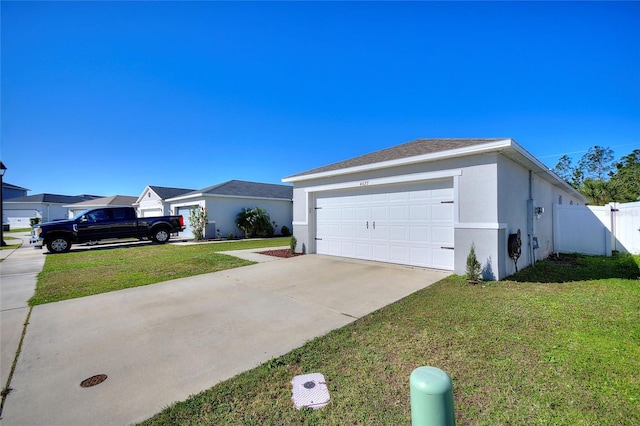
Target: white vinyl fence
{"x":597,"y":230}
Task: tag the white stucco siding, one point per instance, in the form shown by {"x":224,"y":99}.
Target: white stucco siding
{"x":224,"y":210}
{"x":478,"y":192}
{"x":151,"y":205}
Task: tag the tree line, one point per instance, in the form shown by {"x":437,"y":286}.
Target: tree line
{"x":601,"y":179}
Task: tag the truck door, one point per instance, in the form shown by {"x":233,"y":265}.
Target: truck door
{"x":93,"y":226}
{"x":123,"y":222}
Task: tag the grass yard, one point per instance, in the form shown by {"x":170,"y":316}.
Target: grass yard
{"x":556,"y":345}
{"x":11,"y":242}
{"x":95,"y":271}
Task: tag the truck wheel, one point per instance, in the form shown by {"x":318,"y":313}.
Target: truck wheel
{"x":59,"y":244}
{"x":161,"y":235}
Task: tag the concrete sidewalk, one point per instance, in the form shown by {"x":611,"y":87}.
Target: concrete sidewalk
{"x":18,"y":276}
{"x":161,"y":343}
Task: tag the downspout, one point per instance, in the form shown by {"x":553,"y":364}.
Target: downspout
{"x":530,"y":230}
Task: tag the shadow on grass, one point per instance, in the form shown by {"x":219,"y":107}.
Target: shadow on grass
{"x":578,"y":267}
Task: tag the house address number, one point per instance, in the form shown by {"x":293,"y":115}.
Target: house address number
{"x":364,"y":183}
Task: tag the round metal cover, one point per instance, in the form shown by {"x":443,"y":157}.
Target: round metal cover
{"x":309,"y":385}
{"x":94,"y":380}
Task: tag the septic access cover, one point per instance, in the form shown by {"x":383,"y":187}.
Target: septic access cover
{"x":310,"y":390}
{"x":93,"y":380}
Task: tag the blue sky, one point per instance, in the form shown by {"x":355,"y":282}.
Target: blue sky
{"x":108,"y":97}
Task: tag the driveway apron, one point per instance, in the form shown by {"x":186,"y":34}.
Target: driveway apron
{"x":161,"y":343}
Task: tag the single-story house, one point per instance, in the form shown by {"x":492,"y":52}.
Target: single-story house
{"x":224,"y":201}
{"x":47,"y":207}
{"x":13,"y":191}
{"x":426,"y":202}
{"x":113,"y":201}
{"x":153,"y":200}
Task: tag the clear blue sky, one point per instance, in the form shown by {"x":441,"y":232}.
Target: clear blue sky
{"x":108,"y":97}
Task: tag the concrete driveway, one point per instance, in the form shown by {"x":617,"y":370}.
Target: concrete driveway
{"x":161,"y":343}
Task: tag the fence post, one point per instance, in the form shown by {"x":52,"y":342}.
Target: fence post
{"x":431,"y":398}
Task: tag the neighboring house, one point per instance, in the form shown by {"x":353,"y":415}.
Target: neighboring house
{"x":425,"y":202}
{"x":153,"y":200}
{"x":12,"y":191}
{"x":225,"y":200}
{"x":47,"y":207}
{"x":113,"y":201}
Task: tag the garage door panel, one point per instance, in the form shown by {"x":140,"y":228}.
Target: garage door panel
{"x":398,"y":233}
{"x":419,"y":256}
{"x":406,"y":225}
{"x":442,"y":235}
{"x":398,"y":212}
{"x":442,"y":212}
{"x":442,"y":258}
{"x":419,"y":233}
{"x":363,"y":251}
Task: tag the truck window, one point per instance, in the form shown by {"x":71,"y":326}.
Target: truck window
{"x":97,"y":216}
{"x":122,"y":214}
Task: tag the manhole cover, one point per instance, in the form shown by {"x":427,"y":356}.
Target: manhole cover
{"x":92,"y":381}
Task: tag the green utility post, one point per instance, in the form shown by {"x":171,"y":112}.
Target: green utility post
{"x":431,"y":398}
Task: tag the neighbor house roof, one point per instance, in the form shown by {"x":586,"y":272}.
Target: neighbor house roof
{"x":241,"y":188}
{"x":165,"y":192}
{"x":6,"y":185}
{"x":113,"y":201}
{"x":418,"y":147}
{"x":51,"y":199}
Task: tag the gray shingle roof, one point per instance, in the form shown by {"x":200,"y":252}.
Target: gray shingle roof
{"x":406,"y":150}
{"x":52,"y":198}
{"x":6,"y":185}
{"x":115,"y":200}
{"x":167,"y":192}
{"x":240,"y":188}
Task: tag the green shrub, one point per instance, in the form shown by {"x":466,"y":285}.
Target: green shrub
{"x":285,"y":231}
{"x":294,"y":243}
{"x":255,"y":222}
{"x":198,"y":219}
{"x":34,"y":221}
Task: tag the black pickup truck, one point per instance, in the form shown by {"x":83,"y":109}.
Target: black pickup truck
{"x":101,"y":224}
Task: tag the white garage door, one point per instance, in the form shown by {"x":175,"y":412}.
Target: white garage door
{"x":406,"y":225}
{"x":152,"y":212}
{"x":184,"y":212}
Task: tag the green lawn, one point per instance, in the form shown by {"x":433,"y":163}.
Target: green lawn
{"x":557,"y":345}
{"x":83,"y":273}
{"x":11,"y":242}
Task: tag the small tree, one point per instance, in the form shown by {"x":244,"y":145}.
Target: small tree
{"x":198,"y":219}
{"x":292,"y":245}
{"x":473,"y":266}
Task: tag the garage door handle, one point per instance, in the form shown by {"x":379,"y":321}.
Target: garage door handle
{"x":367,"y":224}
{"x":446,"y":248}
{"x":374,"y":224}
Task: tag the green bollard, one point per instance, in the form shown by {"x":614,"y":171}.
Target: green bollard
{"x":431,"y":398}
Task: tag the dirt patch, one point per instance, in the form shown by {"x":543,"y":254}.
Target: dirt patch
{"x":562,"y":260}
{"x":280,"y":253}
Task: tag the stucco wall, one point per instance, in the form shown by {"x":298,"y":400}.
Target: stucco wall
{"x":224,"y":210}
{"x":151,"y":202}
